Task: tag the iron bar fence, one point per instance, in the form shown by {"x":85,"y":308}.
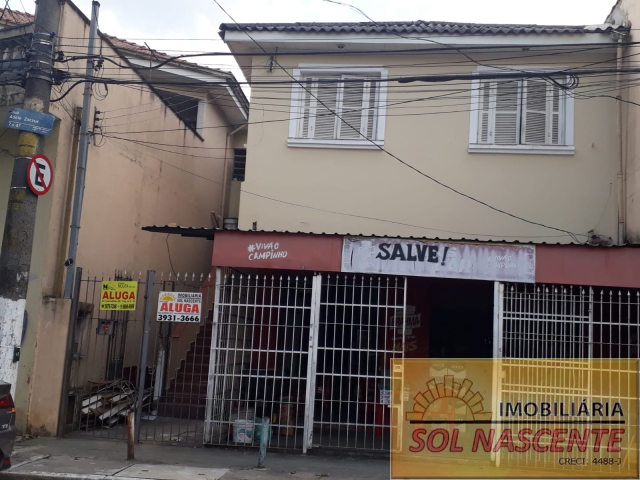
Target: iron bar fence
{"x":106,"y":380}
{"x":573,"y":327}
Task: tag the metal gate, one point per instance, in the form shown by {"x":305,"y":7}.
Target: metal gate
{"x":554,"y":322}
{"x":361,"y":329}
{"x":310,"y":354}
{"x":128,"y":362}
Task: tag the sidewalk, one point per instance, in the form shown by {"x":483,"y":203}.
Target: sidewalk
{"x":81,"y":458}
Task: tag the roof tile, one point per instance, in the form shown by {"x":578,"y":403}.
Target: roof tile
{"x":420,"y":26}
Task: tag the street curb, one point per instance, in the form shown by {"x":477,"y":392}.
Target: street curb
{"x":58,"y":476}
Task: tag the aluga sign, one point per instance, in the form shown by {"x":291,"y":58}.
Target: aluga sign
{"x":179,"y":307}
{"x":511,"y":263}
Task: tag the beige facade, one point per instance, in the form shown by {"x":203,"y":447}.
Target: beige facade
{"x":627,"y":12}
{"x":368,"y":191}
{"x":170,"y":173}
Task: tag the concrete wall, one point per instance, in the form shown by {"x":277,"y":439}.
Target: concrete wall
{"x":128,"y":186}
{"x":575,"y":193}
{"x":628,"y":12}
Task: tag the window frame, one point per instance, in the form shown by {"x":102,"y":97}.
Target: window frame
{"x":235,"y":165}
{"x":566,"y":122}
{"x":297,"y":105}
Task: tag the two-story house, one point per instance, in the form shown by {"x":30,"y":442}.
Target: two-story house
{"x":415,"y":189}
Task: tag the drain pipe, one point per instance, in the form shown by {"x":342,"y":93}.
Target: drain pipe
{"x":226,"y":165}
{"x":622,"y":166}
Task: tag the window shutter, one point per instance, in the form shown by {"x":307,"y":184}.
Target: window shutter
{"x":324,"y":127}
{"x":353,"y":107}
{"x":556,"y":113}
{"x":484,"y":112}
{"x":305,"y":113}
{"x":505,"y":131}
{"x":327,"y":102}
{"x":372,"y":112}
{"x":536,"y":128}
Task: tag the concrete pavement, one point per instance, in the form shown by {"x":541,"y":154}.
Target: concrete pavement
{"x":88,"y":459}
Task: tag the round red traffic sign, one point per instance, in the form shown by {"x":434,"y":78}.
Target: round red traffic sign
{"x":40,"y":174}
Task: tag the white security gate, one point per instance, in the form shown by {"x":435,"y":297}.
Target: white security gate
{"x":554,"y":322}
{"x":361,"y":329}
{"x":310,"y":354}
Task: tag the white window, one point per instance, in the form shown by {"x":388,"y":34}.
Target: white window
{"x":338,"y":107}
{"x":530,"y":115}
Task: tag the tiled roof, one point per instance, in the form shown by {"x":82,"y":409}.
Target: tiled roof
{"x":420,"y":26}
{"x":12,"y":16}
{"x":19,"y":18}
{"x":134,"y":47}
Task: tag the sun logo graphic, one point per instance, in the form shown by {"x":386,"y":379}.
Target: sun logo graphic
{"x":448,"y":400}
{"x":251,"y":248}
{"x":168,"y":297}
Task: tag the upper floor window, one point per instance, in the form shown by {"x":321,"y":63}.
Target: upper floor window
{"x":239,"y":163}
{"x":338,"y":107}
{"x":530,"y":115}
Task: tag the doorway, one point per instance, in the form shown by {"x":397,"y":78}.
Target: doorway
{"x":461,"y":319}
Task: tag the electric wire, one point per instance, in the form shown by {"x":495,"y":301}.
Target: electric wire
{"x":265,"y":197}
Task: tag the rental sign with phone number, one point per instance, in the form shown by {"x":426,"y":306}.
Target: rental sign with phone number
{"x":182,"y":307}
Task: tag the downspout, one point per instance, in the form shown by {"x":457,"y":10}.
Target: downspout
{"x":226,"y":165}
{"x":622,"y":187}
{"x":66,"y":221}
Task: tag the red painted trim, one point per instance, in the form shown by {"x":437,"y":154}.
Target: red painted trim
{"x":282,"y":251}
{"x":576,"y":265}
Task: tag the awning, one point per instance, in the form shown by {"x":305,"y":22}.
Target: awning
{"x":195,"y":232}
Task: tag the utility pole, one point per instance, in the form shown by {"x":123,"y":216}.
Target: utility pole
{"x":17,"y":240}
{"x":83,"y":153}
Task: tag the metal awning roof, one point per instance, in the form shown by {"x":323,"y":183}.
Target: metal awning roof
{"x":195,"y":232}
{"x":209,"y":234}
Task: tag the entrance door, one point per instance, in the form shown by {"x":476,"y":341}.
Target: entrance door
{"x":361,"y":323}
{"x":310,"y":354}
{"x":259,"y":359}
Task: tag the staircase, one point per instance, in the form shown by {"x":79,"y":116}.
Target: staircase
{"x":186,"y":396}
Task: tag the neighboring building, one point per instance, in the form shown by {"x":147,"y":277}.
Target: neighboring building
{"x":340,"y":265}
{"x":159,"y":155}
{"x":627,"y":13}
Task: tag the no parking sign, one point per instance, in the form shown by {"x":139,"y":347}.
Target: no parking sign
{"x":40,"y":174}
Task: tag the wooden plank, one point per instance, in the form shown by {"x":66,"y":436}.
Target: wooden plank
{"x":115,"y":410}
{"x":86,"y":410}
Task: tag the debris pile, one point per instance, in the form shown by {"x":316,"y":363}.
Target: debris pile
{"x":108,"y":403}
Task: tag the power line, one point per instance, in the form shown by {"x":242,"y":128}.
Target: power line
{"x":288,"y":117}
{"x":265,"y":197}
